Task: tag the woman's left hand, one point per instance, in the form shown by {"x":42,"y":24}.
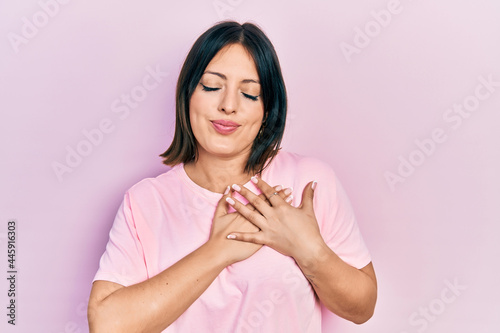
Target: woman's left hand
{"x":292,"y":231}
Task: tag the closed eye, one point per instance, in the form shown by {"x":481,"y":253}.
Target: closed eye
{"x":208,"y":88}
{"x":251,"y":97}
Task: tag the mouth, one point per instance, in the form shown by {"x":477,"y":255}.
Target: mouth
{"x":225,"y":126}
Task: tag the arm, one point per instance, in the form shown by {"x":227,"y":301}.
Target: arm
{"x":154,"y":304}
{"x":348,"y":292}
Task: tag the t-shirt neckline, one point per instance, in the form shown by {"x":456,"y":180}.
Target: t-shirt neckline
{"x":197,"y":188}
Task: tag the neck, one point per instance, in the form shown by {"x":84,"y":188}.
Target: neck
{"x":215,"y":173}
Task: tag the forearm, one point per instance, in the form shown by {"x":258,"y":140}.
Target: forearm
{"x":154,"y":304}
{"x":346,"y":291}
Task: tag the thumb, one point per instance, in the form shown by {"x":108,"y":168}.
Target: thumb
{"x":221,"y":208}
{"x":308,"y":196}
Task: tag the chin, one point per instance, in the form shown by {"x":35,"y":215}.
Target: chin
{"x":226,"y":151}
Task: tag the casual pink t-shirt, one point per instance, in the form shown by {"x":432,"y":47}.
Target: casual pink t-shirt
{"x":163,"y":219}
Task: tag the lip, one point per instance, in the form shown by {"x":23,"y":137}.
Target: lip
{"x":225,"y":126}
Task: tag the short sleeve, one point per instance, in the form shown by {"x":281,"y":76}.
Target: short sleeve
{"x":123,"y":261}
{"x":337,"y":220}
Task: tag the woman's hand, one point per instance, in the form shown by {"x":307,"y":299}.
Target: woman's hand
{"x":225,"y":223}
{"x":154,"y":304}
{"x":289,"y":230}
{"x":346,"y":291}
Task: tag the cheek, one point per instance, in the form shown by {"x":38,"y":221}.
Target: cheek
{"x":194,"y":114}
{"x":196,"y":107}
{"x":259,"y":114}
{"x":195,"y":101}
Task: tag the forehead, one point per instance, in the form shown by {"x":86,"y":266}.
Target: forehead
{"x":234,"y":61}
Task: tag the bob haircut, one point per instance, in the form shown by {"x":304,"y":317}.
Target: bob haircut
{"x":266,"y":145}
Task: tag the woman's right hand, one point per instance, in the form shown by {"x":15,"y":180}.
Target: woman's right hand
{"x":154,"y":304}
{"x":224,"y":223}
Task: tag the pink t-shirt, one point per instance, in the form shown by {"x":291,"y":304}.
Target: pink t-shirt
{"x":163,"y":219}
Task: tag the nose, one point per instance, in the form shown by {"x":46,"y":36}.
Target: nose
{"x":229,"y":101}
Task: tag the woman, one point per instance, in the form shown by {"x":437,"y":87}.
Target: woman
{"x":210,"y":245}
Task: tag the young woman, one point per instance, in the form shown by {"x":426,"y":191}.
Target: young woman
{"x":219,"y":243}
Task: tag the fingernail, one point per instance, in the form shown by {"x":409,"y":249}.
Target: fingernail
{"x":278,"y":188}
{"x":231,"y":237}
{"x":254,"y":180}
{"x":236,"y":187}
{"x":288,"y":190}
{"x":230,"y":201}
{"x":289,"y":199}
{"x":227,"y":190}
{"x":314,"y":185}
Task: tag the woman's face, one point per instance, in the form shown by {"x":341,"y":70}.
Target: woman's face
{"x":226,"y":109}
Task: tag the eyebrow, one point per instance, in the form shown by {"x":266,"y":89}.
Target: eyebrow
{"x":225,"y":78}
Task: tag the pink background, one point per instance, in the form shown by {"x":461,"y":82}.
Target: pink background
{"x":360,"y":110}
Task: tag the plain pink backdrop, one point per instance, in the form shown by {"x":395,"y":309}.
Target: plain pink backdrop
{"x":365,"y":80}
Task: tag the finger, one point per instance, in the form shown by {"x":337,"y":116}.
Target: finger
{"x":282,"y":192}
{"x":263,"y":197}
{"x":287,"y":195}
{"x":250,"y":207}
{"x":308,"y":196}
{"x":221,"y":208}
{"x":249,"y":237}
{"x":251,"y":215}
{"x":268,"y":191}
{"x":262,"y":206}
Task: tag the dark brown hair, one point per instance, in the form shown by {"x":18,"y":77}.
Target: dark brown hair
{"x":266,"y":145}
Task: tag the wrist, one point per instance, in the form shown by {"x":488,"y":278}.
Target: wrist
{"x":314,"y":255}
{"x":215,"y":254}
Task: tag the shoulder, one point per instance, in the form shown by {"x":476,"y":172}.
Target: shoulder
{"x":296,"y":170}
{"x":150,"y":185}
{"x":303,"y":165}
